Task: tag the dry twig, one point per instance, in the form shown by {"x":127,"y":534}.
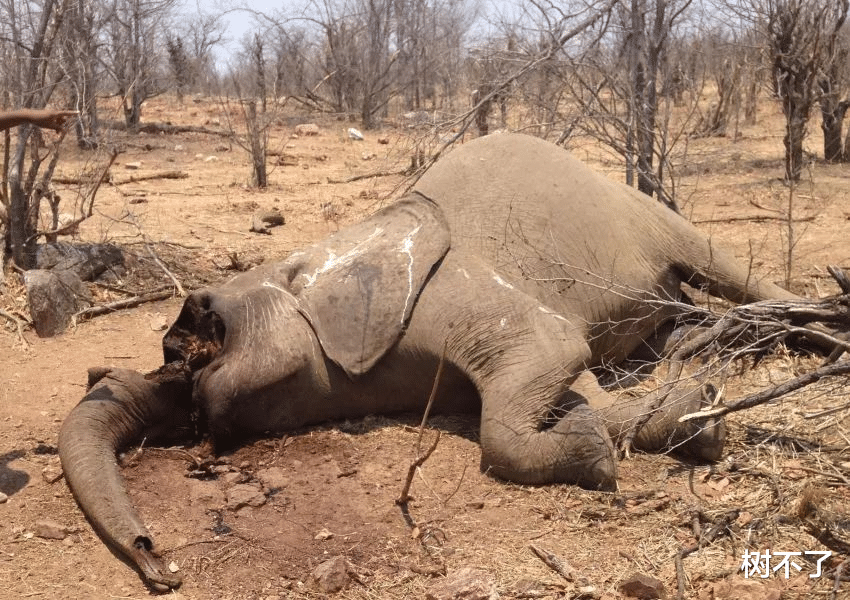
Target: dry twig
{"x":560,"y":566}
{"x":19,"y":325}
{"x":420,"y":458}
{"x":162,"y":175}
{"x":94,"y":311}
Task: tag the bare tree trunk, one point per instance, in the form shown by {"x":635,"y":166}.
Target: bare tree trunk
{"x":795,"y":134}
{"x":258,"y":146}
{"x":832,"y":124}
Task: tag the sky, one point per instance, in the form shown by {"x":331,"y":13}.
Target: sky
{"x":239,"y":23}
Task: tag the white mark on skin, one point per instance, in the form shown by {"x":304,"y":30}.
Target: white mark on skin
{"x":463,"y":272}
{"x":548,"y":311}
{"x":406,"y":247}
{"x":502,"y":282}
{"x":503,"y":322}
{"x":334,"y":261}
{"x":269,"y":284}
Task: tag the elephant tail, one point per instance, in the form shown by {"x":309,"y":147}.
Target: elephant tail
{"x":705,"y":265}
{"x":121,"y":408}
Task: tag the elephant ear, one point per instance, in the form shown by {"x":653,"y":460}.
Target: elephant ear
{"x":358,"y":287}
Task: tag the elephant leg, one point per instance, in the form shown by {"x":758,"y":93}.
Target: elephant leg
{"x":522,"y":358}
{"x":662,"y":432}
{"x":576,"y":449}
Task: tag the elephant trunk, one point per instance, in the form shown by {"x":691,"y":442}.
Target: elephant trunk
{"x":121,"y":408}
{"x":663,"y":432}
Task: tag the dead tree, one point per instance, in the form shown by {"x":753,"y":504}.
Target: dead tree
{"x":134,"y":38}
{"x":832,"y":84}
{"x":32,"y":82}
{"x":798,"y":42}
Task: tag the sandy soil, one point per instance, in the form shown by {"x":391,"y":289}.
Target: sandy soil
{"x":331,"y":490}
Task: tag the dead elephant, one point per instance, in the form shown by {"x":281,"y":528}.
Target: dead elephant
{"x":521,"y":264}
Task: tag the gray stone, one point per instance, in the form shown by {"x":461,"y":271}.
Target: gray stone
{"x":273,"y":478}
{"x":331,"y":576}
{"x":466,"y":583}
{"x":206,"y":493}
{"x":88,"y":261}
{"x":642,"y":587}
{"x":264,"y":219}
{"x":50,"y":530}
{"x":54,"y":297}
{"x":245,"y":494}
{"x":307,"y":129}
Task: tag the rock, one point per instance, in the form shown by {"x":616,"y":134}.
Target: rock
{"x":158,"y":322}
{"x":273,"y":478}
{"x":244,"y":494}
{"x":88,"y":261}
{"x":50,"y":530}
{"x":323,"y":535}
{"x":211,"y":158}
{"x":264,"y":219}
{"x":54,"y":297}
{"x":133,"y":165}
{"x":642,"y":587}
{"x":369,"y":156}
{"x":206,"y":493}
{"x":384,"y":140}
{"x":3,"y":498}
{"x":51,"y":474}
{"x":355,"y":134}
{"x":466,"y":583}
{"x":331,"y":576}
{"x":233,"y":478}
{"x":307,"y":129}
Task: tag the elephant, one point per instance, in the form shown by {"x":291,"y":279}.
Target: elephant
{"x":511,"y":263}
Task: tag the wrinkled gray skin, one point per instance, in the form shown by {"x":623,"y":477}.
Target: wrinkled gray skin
{"x":527,"y":267}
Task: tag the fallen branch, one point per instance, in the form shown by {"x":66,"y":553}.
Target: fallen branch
{"x":753,"y":329}
{"x":754,"y":218}
{"x":839,"y":572}
{"x":831,"y":370}
{"x":93,"y":311}
{"x":162,"y":175}
{"x":165,"y":128}
{"x":369,"y":176}
{"x":180,"y":291}
{"x":560,"y":566}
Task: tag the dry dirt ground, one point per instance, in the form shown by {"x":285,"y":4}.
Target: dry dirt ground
{"x":329,"y":491}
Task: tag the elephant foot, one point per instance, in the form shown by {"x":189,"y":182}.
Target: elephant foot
{"x":576,"y":450}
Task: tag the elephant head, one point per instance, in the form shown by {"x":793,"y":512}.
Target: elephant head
{"x":242,"y":354}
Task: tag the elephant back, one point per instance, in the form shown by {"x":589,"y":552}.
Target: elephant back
{"x":550,"y":223}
